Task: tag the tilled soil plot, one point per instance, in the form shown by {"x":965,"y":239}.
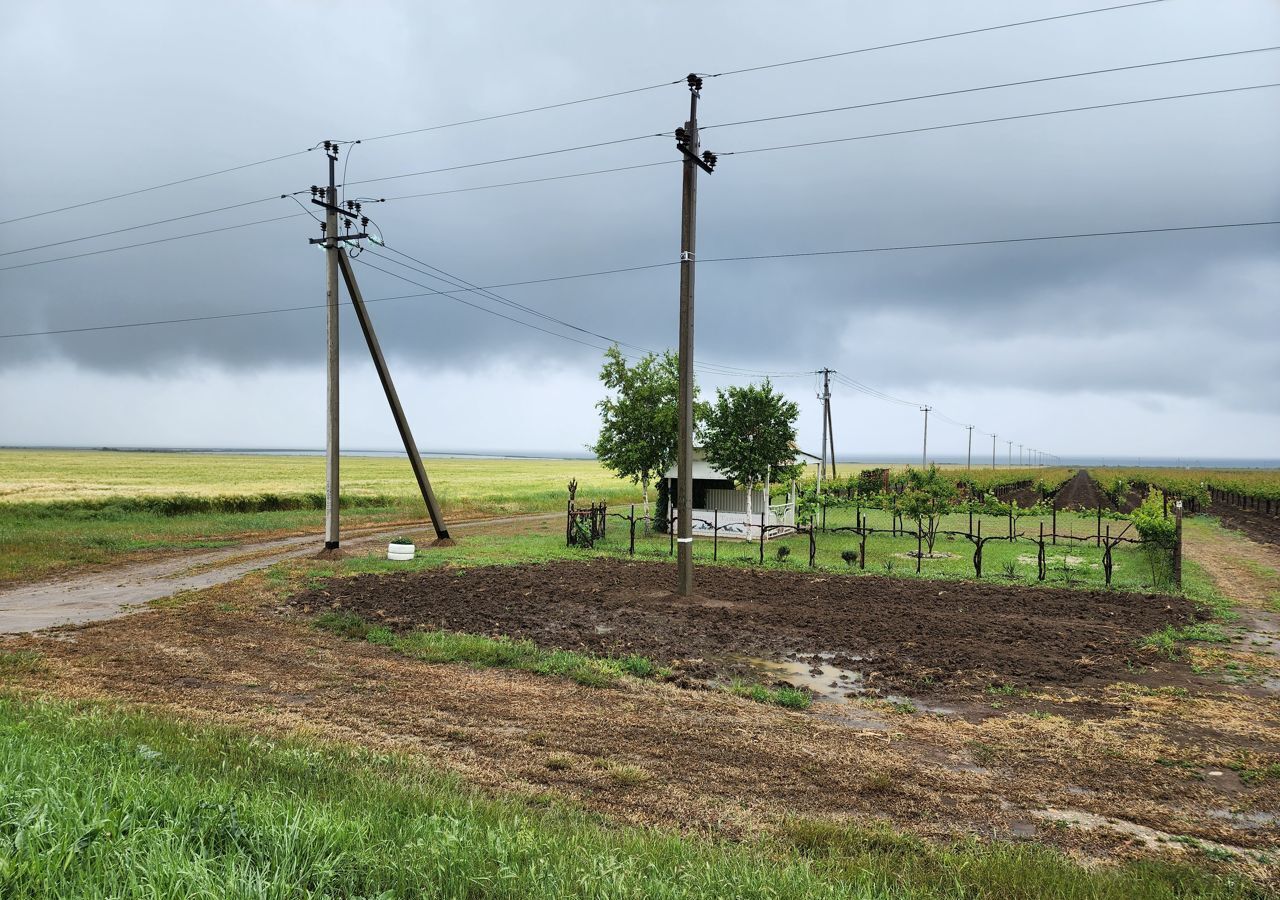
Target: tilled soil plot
{"x":926,"y":637}
{"x":1257,"y":525}
{"x":1082,"y":492}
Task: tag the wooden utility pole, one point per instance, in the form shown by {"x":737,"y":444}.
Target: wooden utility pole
{"x":968,"y":459}
{"x":688,"y":144}
{"x":924,"y":452}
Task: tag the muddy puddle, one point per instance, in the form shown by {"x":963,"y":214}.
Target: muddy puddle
{"x":828,"y":676}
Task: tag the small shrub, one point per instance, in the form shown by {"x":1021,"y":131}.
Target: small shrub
{"x":850,"y":557}
{"x":782,"y":553}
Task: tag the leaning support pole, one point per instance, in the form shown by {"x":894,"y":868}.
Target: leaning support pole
{"x":393,"y":399}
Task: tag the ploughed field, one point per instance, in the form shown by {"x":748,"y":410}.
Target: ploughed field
{"x":877,"y":635}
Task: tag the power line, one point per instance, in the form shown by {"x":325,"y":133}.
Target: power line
{"x":991,"y":87}
{"x":466,"y":286}
{"x":507,"y":159}
{"x":936,"y":37}
{"x":89,"y":237}
{"x":993,"y":241}
{"x":1034,"y":115}
{"x":631,"y":167}
{"x":156,"y":187}
{"x":799,"y":254}
{"x":521,"y":112}
{"x":485,"y":187}
{"x":176,"y":237}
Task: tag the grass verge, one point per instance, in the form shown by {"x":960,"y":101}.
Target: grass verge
{"x":96,"y":803}
{"x":790,"y":697}
{"x":1170,"y":641}
{"x":501,"y":652}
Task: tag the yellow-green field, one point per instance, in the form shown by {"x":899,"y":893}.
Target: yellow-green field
{"x":464,"y":486}
{"x":62,"y":510}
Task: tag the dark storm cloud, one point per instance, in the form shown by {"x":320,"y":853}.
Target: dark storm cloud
{"x":110,"y":102}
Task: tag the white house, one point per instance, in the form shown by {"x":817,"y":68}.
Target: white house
{"x":718,"y":504}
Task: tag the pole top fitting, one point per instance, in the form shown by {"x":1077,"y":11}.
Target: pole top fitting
{"x":695,"y":82}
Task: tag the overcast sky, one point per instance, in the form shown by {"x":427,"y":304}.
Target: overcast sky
{"x":1154,"y":344}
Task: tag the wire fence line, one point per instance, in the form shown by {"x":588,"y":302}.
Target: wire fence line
{"x":587,"y":526}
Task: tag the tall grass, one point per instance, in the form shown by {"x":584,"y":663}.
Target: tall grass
{"x":97,"y":804}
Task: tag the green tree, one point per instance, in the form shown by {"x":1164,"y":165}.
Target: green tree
{"x":749,"y":433}
{"x":640,"y":422}
{"x":926,"y":497}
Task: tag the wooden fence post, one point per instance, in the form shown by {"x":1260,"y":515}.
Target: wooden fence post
{"x":977,"y":552}
{"x":1040,"y":564}
{"x":813,"y":547}
{"x":761,"y":538}
{"x":1099,"y":524}
{"x":919,"y":548}
{"x":633,"y":529}
{"x":715,"y":533}
{"x":1055,"y":521}
{"x":1177,"y":543}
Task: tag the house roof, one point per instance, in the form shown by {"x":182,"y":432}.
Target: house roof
{"x":703,"y":470}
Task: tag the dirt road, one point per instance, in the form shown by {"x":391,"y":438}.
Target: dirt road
{"x":94,"y":596}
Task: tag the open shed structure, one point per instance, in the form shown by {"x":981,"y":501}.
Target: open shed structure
{"x":718,"y":504}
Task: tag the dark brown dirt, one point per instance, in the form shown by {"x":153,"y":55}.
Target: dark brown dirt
{"x":1024,"y":493}
{"x":1082,"y":492}
{"x":923,"y":637}
{"x":1256,"y":525}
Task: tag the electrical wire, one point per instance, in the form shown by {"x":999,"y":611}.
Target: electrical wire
{"x":507,"y":159}
{"x":156,"y":187}
{"x":1034,"y":115}
{"x":791,"y":255}
{"x":664,"y":162}
{"x":562,"y":104}
{"x":485,"y":187}
{"x":176,"y":237}
{"x":521,"y":112}
{"x":987,"y":87}
{"x":936,"y":37}
{"x":89,"y":237}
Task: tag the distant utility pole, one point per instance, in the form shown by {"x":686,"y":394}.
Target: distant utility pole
{"x":687,"y":142}
{"x":968,"y":459}
{"x":337,"y":260}
{"x":993,"y":450}
{"x":924,"y":451}
{"x":1020,"y":455}
{"x":1009,"y":452}
{"x":827,"y":431}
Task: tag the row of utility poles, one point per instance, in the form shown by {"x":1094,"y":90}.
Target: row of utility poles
{"x":338,"y":263}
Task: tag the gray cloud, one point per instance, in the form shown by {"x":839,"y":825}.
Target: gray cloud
{"x":115,"y":99}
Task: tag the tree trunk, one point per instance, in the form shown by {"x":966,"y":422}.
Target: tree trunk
{"x":749,"y":508}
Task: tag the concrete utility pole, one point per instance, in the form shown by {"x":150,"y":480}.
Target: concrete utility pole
{"x":993,"y":451}
{"x":825,"y":397}
{"x":337,"y":260}
{"x":1009,"y":452}
{"x":393,"y":398}
{"x":968,"y":459}
{"x":924,"y":451}
{"x":687,"y":143}
{"x":331,"y":483}
{"x":1020,"y":455}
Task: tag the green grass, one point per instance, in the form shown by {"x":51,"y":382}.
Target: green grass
{"x":102,"y":804}
{"x":501,"y":652}
{"x":784,"y":695}
{"x":19,"y":662}
{"x":1169,"y":640}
